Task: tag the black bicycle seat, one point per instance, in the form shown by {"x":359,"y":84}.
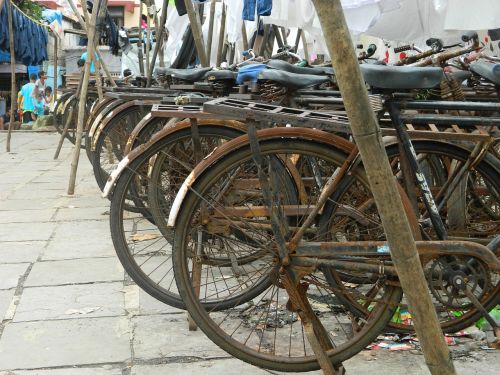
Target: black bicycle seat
{"x":191,"y":75}
{"x":490,"y":71}
{"x":459,"y":75}
{"x":401,"y":77}
{"x":219,"y":75}
{"x":287,"y":67}
{"x":292,"y":80}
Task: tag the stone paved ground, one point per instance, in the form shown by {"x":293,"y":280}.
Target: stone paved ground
{"x":66,"y":307}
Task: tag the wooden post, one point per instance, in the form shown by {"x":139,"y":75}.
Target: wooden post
{"x":211,"y":30}
{"x":139,"y":42}
{"x":84,"y":27}
{"x":160,"y":32}
{"x":54,"y":88}
{"x":82,"y":100}
{"x":382,"y":182}
{"x":13,"y":91}
{"x":148,"y":38}
{"x":97,"y":63}
{"x":194,"y":21}
{"x":304,"y":44}
{"x":222,"y":35}
{"x":244,"y":35}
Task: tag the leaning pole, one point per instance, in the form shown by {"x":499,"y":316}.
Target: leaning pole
{"x":368,"y":138}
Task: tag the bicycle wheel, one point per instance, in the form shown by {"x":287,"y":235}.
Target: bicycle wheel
{"x":112,"y":140}
{"x":262,"y":330}
{"x":478,"y":191}
{"x":143,"y":250}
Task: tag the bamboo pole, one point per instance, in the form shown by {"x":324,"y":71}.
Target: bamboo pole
{"x":304,"y":44}
{"x":160,"y":32}
{"x":97,"y":63}
{"x":244,"y":35}
{"x":148,"y":38}
{"x":368,"y":138}
{"x":13,"y":94}
{"x":222,"y":33}
{"x":194,"y":21}
{"x":139,"y":42}
{"x":54,"y":88}
{"x":84,"y":27}
{"x":83,"y":99}
{"x":211,"y":30}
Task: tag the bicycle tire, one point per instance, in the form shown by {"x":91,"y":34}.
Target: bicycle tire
{"x":120,"y":208}
{"x":202,"y":313}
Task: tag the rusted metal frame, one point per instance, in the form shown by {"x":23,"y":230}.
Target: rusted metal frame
{"x":144,"y":90}
{"x":432,"y":135}
{"x":450,"y":105}
{"x":462,"y":285}
{"x":101,"y":115}
{"x":134,"y":96}
{"x":277,"y":220}
{"x":327,"y":190}
{"x":271,"y":113}
{"x":333,"y":93}
{"x":346,"y":265}
{"x":408,"y":178}
{"x":315,"y":332}
{"x":477,"y":154}
{"x":421,"y":183}
{"x":110,"y":114}
{"x":426,"y":249}
{"x":450,"y":120}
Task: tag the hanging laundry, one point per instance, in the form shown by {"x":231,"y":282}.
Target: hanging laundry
{"x":262,"y":7}
{"x":30,"y":39}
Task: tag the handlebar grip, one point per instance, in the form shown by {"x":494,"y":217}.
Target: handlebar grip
{"x":406,"y":47}
{"x":359,"y":46}
{"x":469,"y":35}
{"x":432,"y":41}
{"x":372,"y":48}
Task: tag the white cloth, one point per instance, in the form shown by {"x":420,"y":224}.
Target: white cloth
{"x":471,"y":15}
{"x":176,"y":27}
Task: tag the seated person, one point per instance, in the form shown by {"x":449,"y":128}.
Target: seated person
{"x":5,"y":121}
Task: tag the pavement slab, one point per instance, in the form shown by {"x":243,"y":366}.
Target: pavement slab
{"x":68,"y":371}
{"x":6,"y":297}
{"x":164,"y":336}
{"x":73,"y":342}
{"x":11,"y":273}
{"x":26,"y":231}
{"x":75,"y":271}
{"x":70,"y":302}
{"x":20,"y":252}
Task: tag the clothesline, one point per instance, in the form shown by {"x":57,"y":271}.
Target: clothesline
{"x":31,"y":19}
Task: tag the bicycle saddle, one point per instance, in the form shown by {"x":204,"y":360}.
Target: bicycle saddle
{"x":401,"y":77}
{"x":184,"y":74}
{"x":292,"y":80}
{"x":487,"y":70}
{"x":287,"y":67}
{"x":217,"y":75}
